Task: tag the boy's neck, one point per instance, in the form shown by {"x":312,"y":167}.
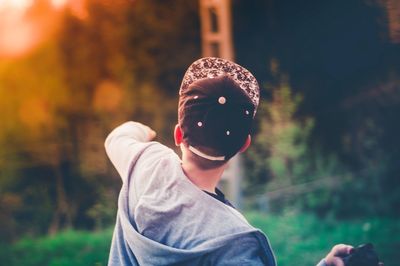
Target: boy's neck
{"x":206,"y":180}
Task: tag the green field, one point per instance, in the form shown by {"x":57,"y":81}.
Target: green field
{"x":304,"y":239}
{"x":296,"y":238}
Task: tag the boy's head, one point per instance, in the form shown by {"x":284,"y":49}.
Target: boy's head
{"x":217,"y":103}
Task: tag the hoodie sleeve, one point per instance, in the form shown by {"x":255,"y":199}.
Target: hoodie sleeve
{"x":124,"y":145}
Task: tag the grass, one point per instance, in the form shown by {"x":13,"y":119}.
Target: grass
{"x":64,"y":249}
{"x":297,"y":239}
{"x":302,"y":239}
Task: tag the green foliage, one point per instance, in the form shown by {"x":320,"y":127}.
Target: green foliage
{"x":284,"y":137}
{"x":280,"y":147}
{"x":103,"y":211}
{"x":30,"y":130}
{"x":67,"y":248}
{"x":165,"y":39}
{"x":60,"y":101}
{"x":296,"y":174}
{"x":300,"y":239}
{"x":303,"y":239}
{"x":292,"y":173}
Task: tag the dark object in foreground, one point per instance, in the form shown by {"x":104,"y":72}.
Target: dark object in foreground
{"x":363,"y":255}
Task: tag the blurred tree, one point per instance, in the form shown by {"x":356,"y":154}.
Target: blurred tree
{"x":165,"y":39}
{"x":281,"y":142}
{"x":293,"y":173}
{"x":59,"y":103}
{"x":340,"y":57}
{"x":30,"y":125}
{"x":331,"y":51}
{"x":101,"y":74}
{"x":286,"y":138}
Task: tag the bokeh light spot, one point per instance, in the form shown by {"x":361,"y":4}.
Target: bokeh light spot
{"x":107,"y":97}
{"x":34,"y":112}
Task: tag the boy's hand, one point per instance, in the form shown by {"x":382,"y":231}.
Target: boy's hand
{"x":333,"y":257}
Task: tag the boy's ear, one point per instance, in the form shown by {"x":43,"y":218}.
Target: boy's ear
{"x":246,"y":144}
{"x":178,"y":135}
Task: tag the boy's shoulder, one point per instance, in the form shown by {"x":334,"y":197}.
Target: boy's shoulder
{"x":155,"y":152}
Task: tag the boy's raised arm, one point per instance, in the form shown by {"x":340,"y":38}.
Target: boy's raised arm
{"x":125,"y":142}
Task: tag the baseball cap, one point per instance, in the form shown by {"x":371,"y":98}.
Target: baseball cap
{"x":218,"y":100}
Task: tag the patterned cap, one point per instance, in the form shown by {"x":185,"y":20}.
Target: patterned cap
{"x":217,"y":103}
{"x":211,"y":67}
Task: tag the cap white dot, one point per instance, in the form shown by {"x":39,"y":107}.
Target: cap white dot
{"x":195,"y":97}
{"x":247,"y":112}
{"x":228,"y":133}
{"x":222,"y":100}
{"x":199,"y":124}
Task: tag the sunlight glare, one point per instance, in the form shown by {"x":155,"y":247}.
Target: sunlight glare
{"x":59,"y":3}
{"x":15,"y":4}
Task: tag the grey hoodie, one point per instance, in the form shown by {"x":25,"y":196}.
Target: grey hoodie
{"x":164,"y":219}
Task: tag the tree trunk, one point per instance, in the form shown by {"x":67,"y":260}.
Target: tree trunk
{"x":62,"y":215}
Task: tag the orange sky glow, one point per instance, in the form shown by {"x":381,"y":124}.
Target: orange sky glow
{"x":20,"y":33}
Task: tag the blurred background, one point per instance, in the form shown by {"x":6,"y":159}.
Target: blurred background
{"x":324,"y":165}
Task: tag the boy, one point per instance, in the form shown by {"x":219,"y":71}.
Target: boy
{"x":169,"y":210}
